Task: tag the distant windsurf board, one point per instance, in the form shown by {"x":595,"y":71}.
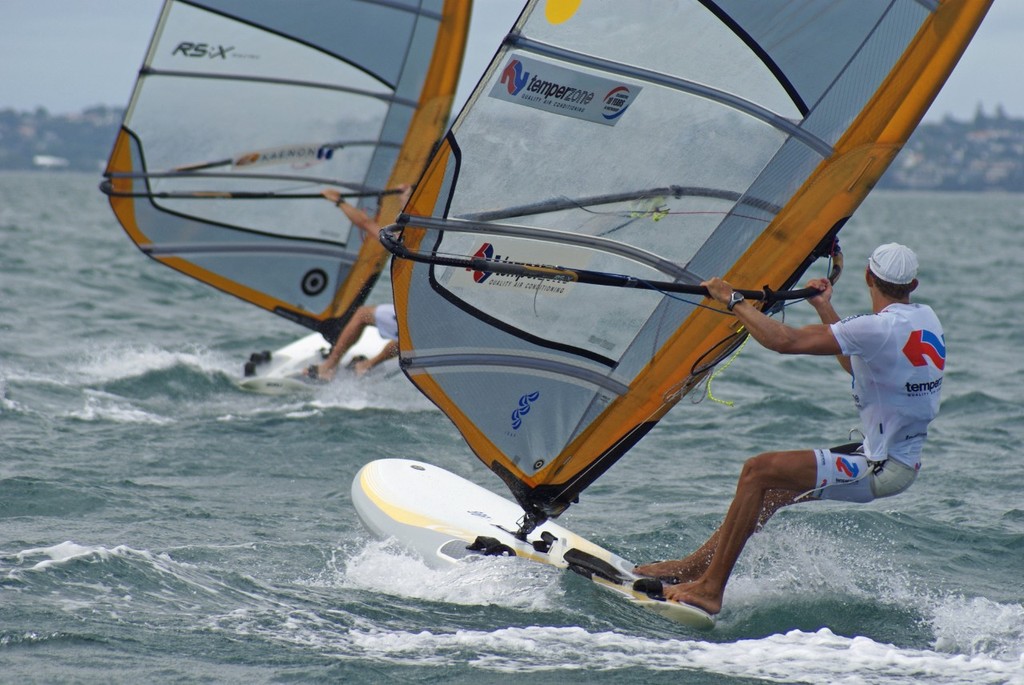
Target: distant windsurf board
{"x":283,"y":371}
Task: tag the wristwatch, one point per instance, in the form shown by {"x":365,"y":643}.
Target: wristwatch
{"x":734,"y":300}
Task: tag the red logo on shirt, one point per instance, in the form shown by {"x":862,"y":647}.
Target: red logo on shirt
{"x":922,"y":344}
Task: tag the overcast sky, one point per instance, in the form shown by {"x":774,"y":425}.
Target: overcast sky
{"x":66,"y":55}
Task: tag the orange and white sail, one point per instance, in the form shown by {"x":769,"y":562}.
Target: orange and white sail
{"x":612,"y":157}
{"x":244,"y":110}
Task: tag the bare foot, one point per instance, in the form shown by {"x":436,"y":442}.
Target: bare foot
{"x":674,"y":571}
{"x":665,"y":571}
{"x":319,"y":372}
{"x":695,"y":595}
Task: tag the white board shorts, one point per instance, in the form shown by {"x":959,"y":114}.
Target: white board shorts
{"x":850,"y":477}
{"x":385,"y":321}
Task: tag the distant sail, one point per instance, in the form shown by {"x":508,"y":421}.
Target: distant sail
{"x":616,"y":154}
{"x":244,"y":110}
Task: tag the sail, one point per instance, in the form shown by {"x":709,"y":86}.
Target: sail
{"x":244,"y":110}
{"x":615,"y":155}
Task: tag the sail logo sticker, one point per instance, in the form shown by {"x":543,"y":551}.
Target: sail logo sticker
{"x":566,"y":92}
{"x":524,"y":408}
{"x":486,"y":251}
{"x":200,"y":50}
{"x":616,"y":102}
{"x":514,"y":77}
{"x":513,"y":283}
{"x":845,"y":467}
{"x":297,"y":155}
{"x":924,"y":345}
{"x":477,"y":279}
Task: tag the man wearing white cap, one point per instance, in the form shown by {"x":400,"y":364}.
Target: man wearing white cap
{"x":896,"y":356}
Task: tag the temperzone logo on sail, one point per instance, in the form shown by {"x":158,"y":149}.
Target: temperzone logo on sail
{"x":486,"y":251}
{"x":533,"y":83}
{"x":514,"y":77}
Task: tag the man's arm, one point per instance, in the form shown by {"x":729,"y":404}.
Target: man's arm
{"x":357,"y":216}
{"x":775,"y":335}
{"x":823,"y":306}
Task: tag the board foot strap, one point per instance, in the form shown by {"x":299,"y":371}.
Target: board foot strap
{"x":588,"y":565}
{"x":652,"y":587}
{"x":490,"y":547}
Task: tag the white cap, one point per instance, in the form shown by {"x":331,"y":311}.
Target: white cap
{"x":893,"y":263}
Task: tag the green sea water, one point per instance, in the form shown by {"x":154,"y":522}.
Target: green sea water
{"x":158,"y":524}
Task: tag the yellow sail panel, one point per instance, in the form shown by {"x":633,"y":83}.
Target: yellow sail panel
{"x":425,"y":130}
{"x":696,"y":139}
{"x":123,"y":187}
{"x":284,"y":104}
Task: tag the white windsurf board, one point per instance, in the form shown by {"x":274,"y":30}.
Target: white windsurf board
{"x":447,"y":519}
{"x":283,"y":371}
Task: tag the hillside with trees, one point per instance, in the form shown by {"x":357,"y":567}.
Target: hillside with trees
{"x":984,"y":154}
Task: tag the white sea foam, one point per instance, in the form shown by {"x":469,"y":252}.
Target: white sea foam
{"x":374,"y":391}
{"x":795,"y":657}
{"x":116,"y":578}
{"x":6,"y":403}
{"x":978,"y":626}
{"x":385,"y":570}
{"x":128,"y":361}
{"x":100,"y":406}
{"x":382,"y":567}
{"x":42,"y":558}
{"x":58,"y":553}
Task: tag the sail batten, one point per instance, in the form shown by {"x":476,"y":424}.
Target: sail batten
{"x":245,"y":110}
{"x":471,"y":362}
{"x":692,"y":87}
{"x":556,"y":237}
{"x":557,"y":204}
{"x":291,"y":248}
{"x":383,"y":97}
{"x":615,"y":144}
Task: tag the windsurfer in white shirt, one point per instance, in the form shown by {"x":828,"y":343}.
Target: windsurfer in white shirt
{"x":896,"y":356}
{"x":382,"y":316}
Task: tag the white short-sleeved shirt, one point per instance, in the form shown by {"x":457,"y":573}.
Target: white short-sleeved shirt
{"x":897,"y":356}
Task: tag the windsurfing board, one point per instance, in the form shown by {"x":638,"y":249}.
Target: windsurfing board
{"x":447,"y":519}
{"x":283,"y":371}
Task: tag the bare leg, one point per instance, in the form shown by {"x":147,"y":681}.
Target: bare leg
{"x":685,"y":569}
{"x":757,"y":497}
{"x":691,"y":567}
{"x":362,"y":318}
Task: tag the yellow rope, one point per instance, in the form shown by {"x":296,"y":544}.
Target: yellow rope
{"x":719,"y":370}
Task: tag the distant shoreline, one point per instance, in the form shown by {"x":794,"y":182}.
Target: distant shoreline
{"x":984,"y":154}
